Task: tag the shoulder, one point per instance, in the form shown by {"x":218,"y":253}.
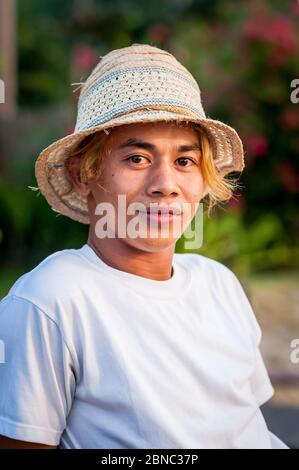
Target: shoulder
{"x":222,"y":284}
{"x":229,"y":291}
{"x":213,"y":270}
{"x":51,"y":281}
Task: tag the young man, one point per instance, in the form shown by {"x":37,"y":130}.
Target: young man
{"x":123,"y":343}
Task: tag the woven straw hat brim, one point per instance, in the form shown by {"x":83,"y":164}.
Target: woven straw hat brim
{"x":53,"y":181}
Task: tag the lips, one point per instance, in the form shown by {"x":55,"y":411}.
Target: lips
{"x":164,"y":218}
{"x":161,"y":214}
{"x":163,"y":210}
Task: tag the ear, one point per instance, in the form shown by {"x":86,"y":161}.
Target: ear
{"x":72,"y":166}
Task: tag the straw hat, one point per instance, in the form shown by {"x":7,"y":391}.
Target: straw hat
{"x":134,"y":84}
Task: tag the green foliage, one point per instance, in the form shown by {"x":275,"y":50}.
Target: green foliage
{"x":260,"y":246}
{"x":30,"y":229}
{"x":244,"y":58}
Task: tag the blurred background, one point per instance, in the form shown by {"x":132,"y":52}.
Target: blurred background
{"x":245,"y":57}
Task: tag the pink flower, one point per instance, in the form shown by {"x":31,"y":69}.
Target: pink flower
{"x":289,"y":119}
{"x":159,"y":32}
{"x":254,"y":28}
{"x":85,"y":57}
{"x":277,"y":31}
{"x":237,"y":203}
{"x":256,"y":145}
{"x":281,"y":31}
{"x":289,"y":176}
{"x":294,"y":6}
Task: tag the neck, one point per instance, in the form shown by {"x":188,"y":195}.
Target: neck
{"x":120,"y":255}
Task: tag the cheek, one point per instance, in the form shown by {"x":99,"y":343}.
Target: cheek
{"x":194,"y":188}
{"x":116,"y":182}
{"x":122,"y":182}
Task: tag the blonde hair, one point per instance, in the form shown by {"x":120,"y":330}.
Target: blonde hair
{"x":94,"y":152}
{"x":220,"y":188}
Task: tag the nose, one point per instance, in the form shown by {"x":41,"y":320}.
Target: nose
{"x":162,"y":180}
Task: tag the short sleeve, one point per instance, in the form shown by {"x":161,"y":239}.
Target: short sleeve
{"x":37,"y":379}
{"x":261,"y":385}
{"x":276,"y":442}
{"x":260,"y":381}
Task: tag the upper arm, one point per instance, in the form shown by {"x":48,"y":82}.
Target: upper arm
{"x":37,"y":379}
{"x":260,"y":381}
{"x":7,"y":443}
{"x":276,"y":442}
{"x":261,"y":384}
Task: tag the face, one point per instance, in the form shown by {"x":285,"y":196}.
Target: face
{"x":152,"y":164}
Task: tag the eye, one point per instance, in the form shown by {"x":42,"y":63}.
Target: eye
{"x":186,"y":159}
{"x":134,"y":158}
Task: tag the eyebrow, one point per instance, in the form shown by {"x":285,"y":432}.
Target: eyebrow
{"x":148,"y":146}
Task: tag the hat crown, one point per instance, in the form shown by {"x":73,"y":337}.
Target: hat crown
{"x":137,"y":77}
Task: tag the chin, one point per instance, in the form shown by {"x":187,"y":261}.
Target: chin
{"x":152,"y":245}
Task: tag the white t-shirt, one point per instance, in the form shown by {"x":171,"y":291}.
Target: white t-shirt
{"x":96,"y":357}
